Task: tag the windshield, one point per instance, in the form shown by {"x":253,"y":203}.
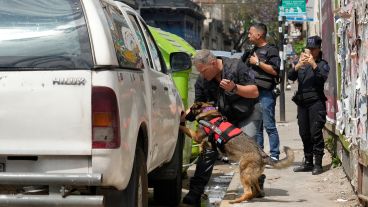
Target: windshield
{"x":44,"y":34}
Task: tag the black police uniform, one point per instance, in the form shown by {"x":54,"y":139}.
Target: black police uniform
{"x":310,"y":99}
{"x":208,"y":91}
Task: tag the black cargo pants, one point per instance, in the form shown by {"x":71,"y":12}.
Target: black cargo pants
{"x":311,"y":120}
{"x":203,"y":171}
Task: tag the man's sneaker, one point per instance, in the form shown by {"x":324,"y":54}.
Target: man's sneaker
{"x":288,"y":87}
{"x":192,"y":199}
{"x":273,"y":159}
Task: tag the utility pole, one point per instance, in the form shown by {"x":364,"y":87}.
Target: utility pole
{"x":282,"y":20}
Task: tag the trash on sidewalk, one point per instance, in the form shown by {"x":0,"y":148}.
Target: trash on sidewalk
{"x":341,"y":200}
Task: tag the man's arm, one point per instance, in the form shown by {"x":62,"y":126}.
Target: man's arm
{"x":267,"y":68}
{"x":271,"y":65}
{"x":247,"y":91}
{"x":244,"y":85}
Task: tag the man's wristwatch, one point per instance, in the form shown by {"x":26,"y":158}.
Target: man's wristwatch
{"x":257,"y":63}
{"x":235,"y":89}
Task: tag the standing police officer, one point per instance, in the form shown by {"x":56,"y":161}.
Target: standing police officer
{"x":265,"y":61}
{"x":311,"y":72}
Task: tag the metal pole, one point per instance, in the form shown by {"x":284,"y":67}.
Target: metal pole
{"x":282,"y":71}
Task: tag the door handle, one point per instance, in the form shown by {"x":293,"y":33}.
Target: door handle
{"x":154,"y":87}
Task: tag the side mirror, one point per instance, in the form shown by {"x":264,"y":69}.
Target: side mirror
{"x":180,"y":61}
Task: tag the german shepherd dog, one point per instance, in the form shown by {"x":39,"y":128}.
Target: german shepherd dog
{"x":240,"y":148}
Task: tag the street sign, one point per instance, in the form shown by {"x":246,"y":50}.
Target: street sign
{"x":294,"y":8}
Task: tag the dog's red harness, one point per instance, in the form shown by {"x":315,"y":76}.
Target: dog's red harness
{"x":220,"y":131}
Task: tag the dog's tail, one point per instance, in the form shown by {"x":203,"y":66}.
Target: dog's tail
{"x":283,"y":163}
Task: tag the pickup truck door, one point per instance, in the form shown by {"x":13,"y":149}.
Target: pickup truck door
{"x":164,"y":106}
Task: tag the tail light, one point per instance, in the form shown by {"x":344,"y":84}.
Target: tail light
{"x":105,"y":119}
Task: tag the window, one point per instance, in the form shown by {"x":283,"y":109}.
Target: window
{"x":155,"y":61}
{"x":47,"y":34}
{"x":126,"y":47}
{"x":153,"y":48}
{"x":140,"y":38}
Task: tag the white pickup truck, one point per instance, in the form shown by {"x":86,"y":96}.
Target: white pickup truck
{"x":89,"y":115}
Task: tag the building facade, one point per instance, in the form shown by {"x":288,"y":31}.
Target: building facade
{"x":181,"y":17}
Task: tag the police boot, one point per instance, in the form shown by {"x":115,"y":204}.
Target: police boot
{"x":307,"y":166}
{"x":317,"y":169}
{"x":261,"y":181}
{"x":192,"y":198}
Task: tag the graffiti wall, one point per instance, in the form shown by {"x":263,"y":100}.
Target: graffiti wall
{"x":351,"y":117}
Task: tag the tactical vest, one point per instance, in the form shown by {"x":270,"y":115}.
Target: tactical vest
{"x":263,"y":79}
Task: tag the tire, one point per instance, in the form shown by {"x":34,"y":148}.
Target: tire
{"x":168,"y":191}
{"x":135,"y":195}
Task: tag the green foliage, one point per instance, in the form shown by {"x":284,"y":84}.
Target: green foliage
{"x":331,"y":146}
{"x":330,"y":143}
{"x":299,"y":46}
{"x":335,"y":162}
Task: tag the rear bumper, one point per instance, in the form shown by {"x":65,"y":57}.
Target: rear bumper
{"x":58,"y":197}
{"x":50,"y":178}
{"x":50,"y":200}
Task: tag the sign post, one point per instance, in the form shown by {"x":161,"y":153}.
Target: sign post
{"x":282,"y":65}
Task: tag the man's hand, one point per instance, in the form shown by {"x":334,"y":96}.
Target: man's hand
{"x":254,"y":59}
{"x":227,"y":85}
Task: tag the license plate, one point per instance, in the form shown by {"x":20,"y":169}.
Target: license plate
{"x":2,"y":167}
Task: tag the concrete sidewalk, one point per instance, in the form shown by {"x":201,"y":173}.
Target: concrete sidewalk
{"x":286,"y":188}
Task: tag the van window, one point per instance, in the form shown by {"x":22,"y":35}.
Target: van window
{"x":126,"y":47}
{"x":43,"y":34}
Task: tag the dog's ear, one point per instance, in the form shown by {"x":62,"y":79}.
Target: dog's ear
{"x":192,"y":111}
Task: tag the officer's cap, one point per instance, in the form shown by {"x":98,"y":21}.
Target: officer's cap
{"x":314,"y":42}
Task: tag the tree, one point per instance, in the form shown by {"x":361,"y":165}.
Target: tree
{"x":242,"y":13}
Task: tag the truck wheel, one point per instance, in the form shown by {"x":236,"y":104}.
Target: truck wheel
{"x":168,"y":191}
{"x":135,"y":195}
{"x":136,"y":192}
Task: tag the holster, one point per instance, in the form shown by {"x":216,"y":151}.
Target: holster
{"x":306,"y":98}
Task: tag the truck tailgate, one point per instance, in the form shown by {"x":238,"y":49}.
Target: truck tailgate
{"x":45,"y":112}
